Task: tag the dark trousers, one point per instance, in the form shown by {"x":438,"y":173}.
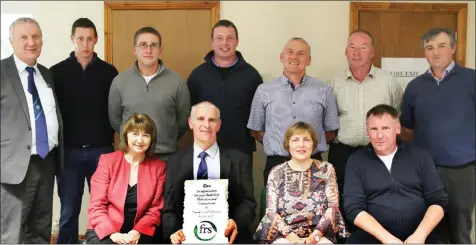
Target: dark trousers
{"x":27,"y":207}
{"x":460,"y":186}
{"x":272,"y":161}
{"x":361,"y":237}
{"x":338,"y":156}
{"x":92,"y":238}
{"x":80,"y":164}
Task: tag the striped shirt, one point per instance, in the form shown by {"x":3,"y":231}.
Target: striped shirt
{"x":276,"y":106}
{"x":355,"y":99}
{"x":445,"y":73}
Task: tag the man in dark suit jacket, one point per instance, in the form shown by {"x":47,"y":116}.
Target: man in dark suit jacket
{"x":218,"y":163}
{"x":31,"y":139}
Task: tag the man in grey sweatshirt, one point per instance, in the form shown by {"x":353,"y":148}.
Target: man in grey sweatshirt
{"x":151,"y":88}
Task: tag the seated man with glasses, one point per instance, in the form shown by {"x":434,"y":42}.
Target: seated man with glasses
{"x":151,"y":88}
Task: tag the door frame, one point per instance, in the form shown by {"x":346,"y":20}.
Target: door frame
{"x":461,"y":10}
{"x":109,"y":6}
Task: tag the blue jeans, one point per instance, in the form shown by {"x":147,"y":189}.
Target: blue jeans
{"x":80,"y":164}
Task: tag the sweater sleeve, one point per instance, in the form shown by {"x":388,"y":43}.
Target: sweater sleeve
{"x":115,"y":107}
{"x":183,"y":108}
{"x":433,"y":189}
{"x":406,"y":108}
{"x":355,"y":200}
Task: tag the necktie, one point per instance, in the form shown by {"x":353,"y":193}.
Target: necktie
{"x":202,"y":172}
{"x":42,"y":147}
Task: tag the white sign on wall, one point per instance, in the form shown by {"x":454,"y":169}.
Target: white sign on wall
{"x":405,"y":69}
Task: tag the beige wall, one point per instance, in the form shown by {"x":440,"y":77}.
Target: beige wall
{"x":263,"y":32}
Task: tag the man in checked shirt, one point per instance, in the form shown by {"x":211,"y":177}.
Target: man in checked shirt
{"x":358,"y":88}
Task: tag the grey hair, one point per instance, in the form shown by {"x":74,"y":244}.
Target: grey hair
{"x":23,"y":20}
{"x":204,"y":104}
{"x":300,"y":39}
{"x":432,"y":33}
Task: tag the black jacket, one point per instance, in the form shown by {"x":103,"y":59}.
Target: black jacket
{"x":397,"y":199}
{"x":233,"y":166}
{"x":231,"y":90}
{"x":83,"y":98}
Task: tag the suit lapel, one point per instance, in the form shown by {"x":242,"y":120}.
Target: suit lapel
{"x":225,"y":164}
{"x":16,"y":81}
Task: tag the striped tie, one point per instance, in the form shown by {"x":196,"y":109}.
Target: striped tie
{"x":42,"y":147}
{"x":202,"y":172}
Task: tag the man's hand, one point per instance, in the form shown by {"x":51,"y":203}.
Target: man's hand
{"x":391,"y":239}
{"x":117,"y":238}
{"x":416,"y":238}
{"x":178,"y":237}
{"x":231,"y":230}
{"x":133,"y":237}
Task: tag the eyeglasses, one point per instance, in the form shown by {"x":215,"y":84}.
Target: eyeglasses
{"x":145,"y":45}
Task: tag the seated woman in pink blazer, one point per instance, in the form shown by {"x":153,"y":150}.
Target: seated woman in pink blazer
{"x":127,"y":188}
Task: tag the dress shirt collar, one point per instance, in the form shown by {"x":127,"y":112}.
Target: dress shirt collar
{"x":211,"y":151}
{"x":445,"y":73}
{"x":284,"y":79}
{"x":372,"y":72}
{"x":21,"y":66}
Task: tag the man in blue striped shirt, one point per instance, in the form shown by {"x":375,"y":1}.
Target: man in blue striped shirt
{"x":290,"y":98}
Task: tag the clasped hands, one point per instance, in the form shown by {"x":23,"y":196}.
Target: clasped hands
{"x":293,"y":238}
{"x":231,"y":231}
{"x":413,"y":238}
{"x":132,"y":237}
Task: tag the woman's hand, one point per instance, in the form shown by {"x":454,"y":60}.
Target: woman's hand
{"x":314,"y":237}
{"x":133,"y":237}
{"x":117,"y":238}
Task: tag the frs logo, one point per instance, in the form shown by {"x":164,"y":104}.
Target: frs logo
{"x":205,"y":231}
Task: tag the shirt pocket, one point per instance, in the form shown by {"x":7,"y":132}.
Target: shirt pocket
{"x":312,"y":109}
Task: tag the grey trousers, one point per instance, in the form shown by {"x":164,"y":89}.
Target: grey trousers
{"x":26,"y":208}
{"x":460,"y":185}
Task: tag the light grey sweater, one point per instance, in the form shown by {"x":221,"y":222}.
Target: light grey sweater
{"x":165,"y":99}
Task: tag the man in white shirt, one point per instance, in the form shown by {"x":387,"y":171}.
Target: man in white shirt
{"x":31,"y":139}
{"x":205,"y":160}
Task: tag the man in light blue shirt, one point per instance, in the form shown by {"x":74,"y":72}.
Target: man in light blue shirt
{"x":290,"y":98}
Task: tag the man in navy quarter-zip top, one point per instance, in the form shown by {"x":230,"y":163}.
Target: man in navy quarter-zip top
{"x":151,"y":88}
{"x":438,"y":114}
{"x":392,"y":190}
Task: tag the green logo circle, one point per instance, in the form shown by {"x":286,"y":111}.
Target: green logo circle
{"x":205,"y":231}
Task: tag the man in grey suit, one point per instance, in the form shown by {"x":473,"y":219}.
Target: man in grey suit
{"x":31,"y":139}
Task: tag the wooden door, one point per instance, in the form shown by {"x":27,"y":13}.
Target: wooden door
{"x":185,"y":28}
{"x":398,"y":27}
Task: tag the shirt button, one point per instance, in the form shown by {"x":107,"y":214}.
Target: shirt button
{"x":29,"y":128}
{"x":28,"y":147}
{"x":294,"y":117}
{"x":294,"y":102}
